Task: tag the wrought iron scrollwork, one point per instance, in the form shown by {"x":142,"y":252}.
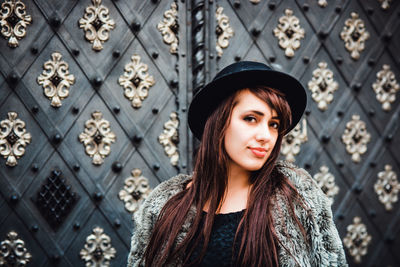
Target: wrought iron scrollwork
{"x":385,"y":4}
{"x":97,"y":138}
{"x":136,"y":81}
{"x":169,"y":28}
{"x":356,"y":137}
{"x":386,"y":87}
{"x":292,"y":141}
{"x":56,"y":79}
{"x":13,"y":138}
{"x":198,"y":44}
{"x":135,"y":191}
{"x":357,"y":239}
{"x":98,"y":250}
{"x":224,"y":31}
{"x":169,"y":138}
{"x":387,"y":187}
{"x":289,"y":33}
{"x":326,"y":181}
{"x":14,"y":21}
{"x":322,"y":3}
{"x":55,"y":199}
{"x":322,"y":86}
{"x":13,"y":251}
{"x":97,"y":24}
{"x":354,"y":35}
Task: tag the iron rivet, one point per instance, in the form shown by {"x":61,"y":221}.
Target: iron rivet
{"x":13,"y":78}
{"x":307,"y":112}
{"x":272,"y":59}
{"x":76,"y":167}
{"x":322,"y":35}
{"x":387,"y":36}
{"x":35,"y":167}
{"x":137,"y":138}
{"x":372,"y":164}
{"x":154,"y":1}
{"x":116,"y":53}
{"x":183,"y":55}
{"x":135,"y":26}
{"x":306,"y":59}
{"x":305,"y":7}
{"x":34,"y":50}
{"x":307,"y":165}
{"x":372,"y":213}
{"x":371,"y":112}
{"x":55,"y":21}
{"x":55,"y":257}
{"x":173,"y":83}
{"x":34,"y":228}
{"x":326,"y":138}
{"x":236,"y":4}
{"x":57,"y":139}
{"x":97,"y":82}
{"x":154,"y":110}
{"x":156,"y":166}
{"x":237,"y":58}
{"x":75,"y":110}
{"x":340,"y":113}
{"x":338,"y":9}
{"x":98,"y":196}
{"x":211,"y":56}
{"x":116,"y":166}
{"x":77,"y":225}
{"x":357,"y":87}
{"x":340,"y":164}
{"x":35,"y":109}
{"x":370,"y":11}
{"x":75,"y":51}
{"x":272,"y":5}
{"x":154,"y":55}
{"x":183,"y":109}
{"x":14,"y":198}
{"x":389,"y":239}
{"x":117,"y":223}
{"x":356,"y":188}
{"x":340,"y":216}
{"x":116,"y":109}
{"x":339,"y":60}
{"x":183,"y":166}
{"x":389,"y":138}
{"x":371,"y":62}
{"x":255,"y":32}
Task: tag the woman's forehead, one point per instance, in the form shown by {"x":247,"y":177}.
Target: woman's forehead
{"x":247,"y":100}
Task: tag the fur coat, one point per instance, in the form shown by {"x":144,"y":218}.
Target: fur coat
{"x":325,"y":244}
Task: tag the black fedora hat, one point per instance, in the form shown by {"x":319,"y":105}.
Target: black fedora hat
{"x":240,"y":75}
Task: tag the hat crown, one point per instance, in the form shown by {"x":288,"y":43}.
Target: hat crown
{"x":240,"y":67}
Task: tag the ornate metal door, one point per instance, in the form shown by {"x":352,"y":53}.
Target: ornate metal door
{"x":93,"y":98}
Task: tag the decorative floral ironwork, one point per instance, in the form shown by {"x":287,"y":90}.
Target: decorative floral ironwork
{"x":385,"y":4}
{"x":169,"y":138}
{"x":357,"y":239}
{"x":97,"y":137}
{"x":356,"y":138}
{"x":322,"y":86}
{"x":56,"y":79}
{"x":326,"y":181}
{"x":223,"y":30}
{"x":354,"y":35}
{"x":97,"y":250}
{"x":289,"y":33}
{"x":13,"y":251}
{"x":13,"y":138}
{"x":136,"y":81}
{"x":386,"y":87}
{"x":135,"y":191}
{"x":13,"y":21}
{"x":97,"y":24}
{"x":292,"y":141}
{"x":55,"y":199}
{"x":169,"y":28}
{"x":322,"y":3}
{"x":387,"y":187}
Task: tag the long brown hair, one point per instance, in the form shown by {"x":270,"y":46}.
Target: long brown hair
{"x":209,"y":183}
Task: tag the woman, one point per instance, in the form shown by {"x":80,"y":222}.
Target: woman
{"x":240,"y":207}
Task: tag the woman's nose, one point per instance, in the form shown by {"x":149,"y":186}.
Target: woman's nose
{"x":263,"y":133}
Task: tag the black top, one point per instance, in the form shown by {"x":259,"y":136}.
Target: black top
{"x":219,"y":250}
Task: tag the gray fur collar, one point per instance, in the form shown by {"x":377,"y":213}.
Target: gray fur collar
{"x":325,"y":247}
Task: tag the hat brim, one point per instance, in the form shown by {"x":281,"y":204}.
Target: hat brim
{"x":209,"y":97}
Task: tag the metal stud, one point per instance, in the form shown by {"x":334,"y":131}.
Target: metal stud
{"x":98,"y":196}
{"x":56,"y":139}
{"x":77,"y":225}
{"x":357,"y":87}
{"x":306,"y":60}
{"x":116,"y":167}
{"x":13,"y":78}
{"x":97,"y":82}
{"x":117,"y":223}
{"x":34,"y":167}
{"x":75,"y":110}
{"x":156,"y":166}
{"x":338,"y":9}
{"x":116,"y":109}
{"x":135,"y":26}
{"x":325,"y":138}
{"x":76,"y":167}
{"x":75,"y":52}
{"x":34,"y":50}
{"x":55,"y":21}
{"x":34,"y":228}
{"x":35,"y":109}
{"x":306,"y":7}
{"x":14,"y":198}
{"x":272,"y":5}
{"x":255,"y":32}
{"x":116,"y":54}
{"x":154,"y":110}
{"x":339,"y":60}
{"x":154,"y":55}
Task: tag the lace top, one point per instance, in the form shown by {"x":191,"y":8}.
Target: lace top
{"x":219,"y":250}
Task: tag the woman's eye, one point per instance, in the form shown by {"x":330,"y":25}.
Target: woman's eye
{"x":250,"y":118}
{"x":275,"y":125}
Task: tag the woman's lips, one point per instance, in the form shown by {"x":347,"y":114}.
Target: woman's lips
{"x":258,"y":151}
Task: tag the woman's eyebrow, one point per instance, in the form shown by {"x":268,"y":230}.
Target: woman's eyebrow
{"x":261,"y":113}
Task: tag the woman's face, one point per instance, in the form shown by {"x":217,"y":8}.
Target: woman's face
{"x":251,"y":134}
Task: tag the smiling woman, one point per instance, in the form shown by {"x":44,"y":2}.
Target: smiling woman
{"x":241,"y":207}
